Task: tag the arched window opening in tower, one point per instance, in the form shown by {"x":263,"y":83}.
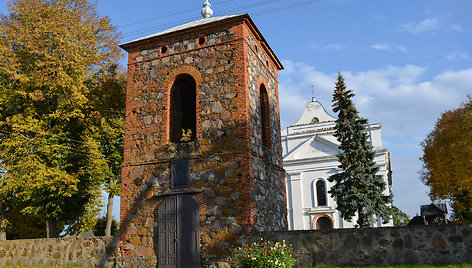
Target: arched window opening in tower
{"x":265,"y":116}
{"x":321,"y":193}
{"x":183,"y":109}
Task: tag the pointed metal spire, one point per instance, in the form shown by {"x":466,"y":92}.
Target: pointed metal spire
{"x":206,"y":10}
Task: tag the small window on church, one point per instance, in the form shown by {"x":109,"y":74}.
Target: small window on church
{"x":315,"y":120}
{"x":265,"y":117}
{"x":321,"y":193}
{"x":183,"y":109}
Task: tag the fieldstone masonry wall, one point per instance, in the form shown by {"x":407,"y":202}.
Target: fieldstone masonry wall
{"x":74,"y":251}
{"x":269,"y":183}
{"x":377,"y":246}
{"x":434,"y":244}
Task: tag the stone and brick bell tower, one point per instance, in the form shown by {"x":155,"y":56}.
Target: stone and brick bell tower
{"x":203,"y":158}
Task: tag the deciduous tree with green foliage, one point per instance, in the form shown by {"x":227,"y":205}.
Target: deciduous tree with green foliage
{"x":447,"y":161}
{"x":400,"y":218}
{"x":108,"y":95}
{"x":51,"y":152}
{"x":100,"y":226}
{"x":358,"y":190}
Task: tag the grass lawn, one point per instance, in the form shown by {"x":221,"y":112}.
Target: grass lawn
{"x":465,"y":265}
{"x":44,"y":267}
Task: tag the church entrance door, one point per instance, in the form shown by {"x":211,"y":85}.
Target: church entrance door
{"x":179,"y":232}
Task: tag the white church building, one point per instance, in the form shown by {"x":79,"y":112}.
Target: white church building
{"x":309,"y":152}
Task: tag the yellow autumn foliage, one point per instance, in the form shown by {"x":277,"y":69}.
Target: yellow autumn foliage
{"x":447,"y":158}
{"x":52,"y":157}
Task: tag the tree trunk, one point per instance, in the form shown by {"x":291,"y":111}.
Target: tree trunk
{"x":109,"y":215}
{"x":360,"y":219}
{"x":51,"y":228}
{"x":3,"y":234}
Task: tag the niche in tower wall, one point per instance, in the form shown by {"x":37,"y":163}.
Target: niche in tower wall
{"x":180,"y":173}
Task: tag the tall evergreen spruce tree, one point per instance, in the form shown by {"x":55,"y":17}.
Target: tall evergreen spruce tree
{"x":358,"y":189}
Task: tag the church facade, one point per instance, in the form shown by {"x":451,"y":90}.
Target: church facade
{"x":309,"y":158}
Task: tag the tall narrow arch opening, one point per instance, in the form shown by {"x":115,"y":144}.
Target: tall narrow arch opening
{"x":183,"y":115}
{"x":265,"y":116}
{"x":321,"y":193}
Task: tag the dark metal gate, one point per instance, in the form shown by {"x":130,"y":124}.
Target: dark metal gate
{"x":179,"y":232}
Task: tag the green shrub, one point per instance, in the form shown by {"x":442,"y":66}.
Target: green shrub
{"x":264,"y":254}
{"x":99,"y":228}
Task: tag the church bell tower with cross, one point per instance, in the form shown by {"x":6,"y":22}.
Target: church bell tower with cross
{"x":203,"y":158}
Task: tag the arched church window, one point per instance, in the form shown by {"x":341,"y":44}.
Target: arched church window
{"x":315,"y":120}
{"x":324,"y":223}
{"x":265,"y":116}
{"x":321,"y":193}
{"x":183,"y":109}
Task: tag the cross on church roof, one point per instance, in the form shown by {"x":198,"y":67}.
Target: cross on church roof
{"x":313,"y":92}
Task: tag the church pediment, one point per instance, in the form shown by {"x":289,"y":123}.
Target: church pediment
{"x":314,"y":113}
{"x":315,"y":146}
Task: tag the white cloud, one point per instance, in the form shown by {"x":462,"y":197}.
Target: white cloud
{"x":396,"y":95}
{"x":387,"y":47}
{"x":336,"y":47}
{"x":457,"y":28}
{"x":457,"y":55}
{"x":380,"y":17}
{"x":382,"y":46}
{"x":428,"y":25}
{"x":333,"y":47}
{"x":295,"y":89}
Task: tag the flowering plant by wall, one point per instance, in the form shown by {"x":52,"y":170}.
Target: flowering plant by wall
{"x":264,"y":254}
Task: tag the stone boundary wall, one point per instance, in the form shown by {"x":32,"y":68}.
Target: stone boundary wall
{"x":74,"y":251}
{"x":434,"y":244}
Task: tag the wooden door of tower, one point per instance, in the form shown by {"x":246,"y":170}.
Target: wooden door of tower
{"x":179,"y":232}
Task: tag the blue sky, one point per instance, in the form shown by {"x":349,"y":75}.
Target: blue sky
{"x":406,"y":61}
